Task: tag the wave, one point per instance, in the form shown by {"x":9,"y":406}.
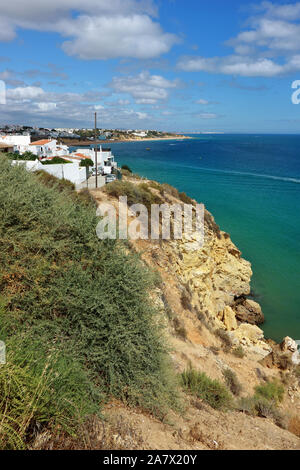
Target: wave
{"x":255,"y":175}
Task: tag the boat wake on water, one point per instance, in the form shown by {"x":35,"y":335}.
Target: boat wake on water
{"x":255,"y":175}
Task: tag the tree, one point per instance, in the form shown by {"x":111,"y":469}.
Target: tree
{"x":126,"y":167}
{"x":87,"y":162}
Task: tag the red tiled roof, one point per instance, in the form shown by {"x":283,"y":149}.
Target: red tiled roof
{"x":41,"y":142}
{"x":81,"y":155}
{"x":71,"y":157}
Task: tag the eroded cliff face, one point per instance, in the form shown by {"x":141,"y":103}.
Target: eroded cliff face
{"x":217,"y":278}
{"x":211,"y":276}
{"x":204,"y":293}
{"x":215,"y":273}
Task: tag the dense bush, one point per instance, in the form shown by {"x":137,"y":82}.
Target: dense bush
{"x":28,"y":156}
{"x":272,"y":391}
{"x":67,"y":290}
{"x":264,"y":403}
{"x":211,"y":391}
{"x":186,"y":199}
{"x":66,"y":187}
{"x":55,"y":161}
{"x":136,"y":193}
{"x":263,"y":408}
{"x":42,"y":387}
{"x":126,"y":168}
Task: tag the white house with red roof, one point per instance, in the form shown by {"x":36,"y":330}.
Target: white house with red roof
{"x":105,"y":159}
{"x":48,"y":148}
{"x":18,"y":142}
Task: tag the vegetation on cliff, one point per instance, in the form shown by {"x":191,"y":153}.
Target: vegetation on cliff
{"x":75,"y":314}
{"x":80,"y":324}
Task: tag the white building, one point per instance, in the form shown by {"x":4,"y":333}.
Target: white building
{"x":48,"y":148}
{"x":68,"y":171}
{"x":18,"y":142}
{"x":105,"y":159}
{"x":140,"y":134}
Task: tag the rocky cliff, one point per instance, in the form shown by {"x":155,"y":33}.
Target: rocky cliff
{"x":211,"y":323}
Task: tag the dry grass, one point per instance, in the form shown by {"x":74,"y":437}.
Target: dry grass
{"x":294,"y":425}
{"x":95,"y":434}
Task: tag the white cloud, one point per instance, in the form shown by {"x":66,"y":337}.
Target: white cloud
{"x":135,"y":36}
{"x":24,"y":93}
{"x":270,"y":47}
{"x":35,"y":106}
{"x":123,"y":102}
{"x":37,"y":10}
{"x":144,"y":88}
{"x":99,"y":29}
{"x":142,"y":115}
{"x":207,"y":116}
{"x":288,"y":12}
{"x":241,"y":65}
{"x":202,"y":102}
{"x":45,"y":107}
{"x":7,"y":32}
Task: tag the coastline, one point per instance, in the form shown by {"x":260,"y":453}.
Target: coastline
{"x":183,"y":137}
{"x":120,"y":141}
{"x":225,"y":301}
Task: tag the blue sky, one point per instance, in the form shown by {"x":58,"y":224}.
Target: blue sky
{"x":176,"y":65}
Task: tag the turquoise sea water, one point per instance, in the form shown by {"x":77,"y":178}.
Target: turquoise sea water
{"x":251,"y":184}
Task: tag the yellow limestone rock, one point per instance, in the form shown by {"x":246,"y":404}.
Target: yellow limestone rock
{"x":249,"y":332}
{"x":215,"y":272}
{"x":227,"y":316}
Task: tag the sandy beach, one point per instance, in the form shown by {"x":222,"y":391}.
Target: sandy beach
{"x":75,"y":143}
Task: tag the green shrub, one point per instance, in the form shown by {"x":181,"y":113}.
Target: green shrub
{"x":239,"y":352}
{"x":87,"y":162}
{"x":211,"y":391}
{"x":185,"y":199}
{"x":40,"y":389}
{"x":68,"y":290}
{"x":136,"y":193}
{"x":55,"y":161}
{"x":263,"y":407}
{"x":52,"y":182}
{"x":247,"y":405}
{"x":232,"y":381}
{"x":271,"y":391}
{"x":67,"y":188}
{"x":155,"y":185}
{"x":27,"y":156}
{"x":126,"y":168}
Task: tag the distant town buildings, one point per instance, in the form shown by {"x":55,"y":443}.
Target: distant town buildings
{"x":47,"y":150}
